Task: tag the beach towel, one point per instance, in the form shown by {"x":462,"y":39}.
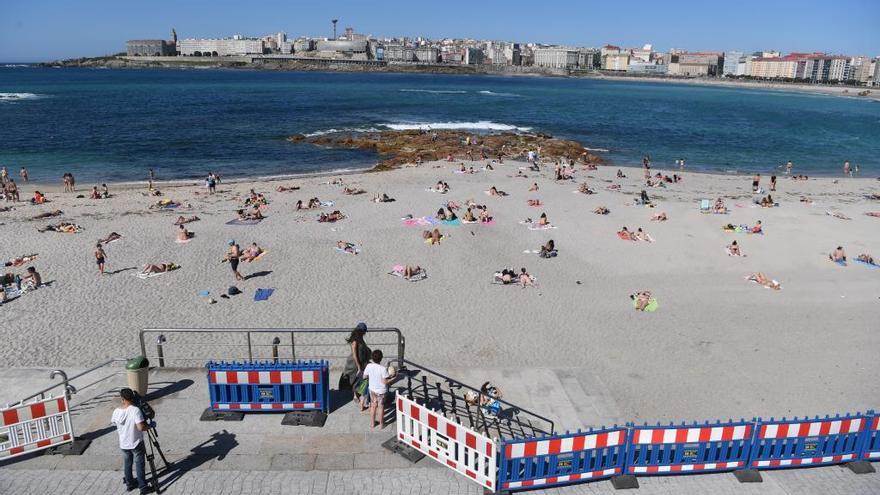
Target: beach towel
{"x":865,"y":263}
{"x":263,"y":294}
{"x":326,"y":204}
{"x":355,"y":248}
{"x":839,"y":262}
{"x":451,"y":222}
{"x":248,"y":221}
{"x":144,"y":276}
{"x":837,"y":215}
{"x":260,"y":256}
{"x":705,"y":206}
{"x":419,"y":222}
{"x":650,"y":308}
{"x":183,"y":241}
{"x":497,"y":279}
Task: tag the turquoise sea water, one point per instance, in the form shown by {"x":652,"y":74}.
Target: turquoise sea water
{"x":112,"y":125}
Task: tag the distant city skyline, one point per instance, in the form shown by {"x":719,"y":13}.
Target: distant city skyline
{"x":54,"y":29}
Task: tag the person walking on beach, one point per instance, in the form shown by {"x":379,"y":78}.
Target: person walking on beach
{"x":232,"y":256}
{"x":756,"y":182}
{"x":772,"y":182}
{"x":846,"y":169}
{"x":23,"y":174}
{"x":211,"y":182}
{"x":788,"y":167}
{"x":4,"y":175}
{"x":99,"y":257}
{"x":151,"y":176}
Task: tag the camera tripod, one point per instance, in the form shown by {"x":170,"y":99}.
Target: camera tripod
{"x":154,"y":447}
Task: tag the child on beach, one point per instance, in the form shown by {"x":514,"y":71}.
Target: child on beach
{"x":99,"y":257}
{"x":378,"y":379}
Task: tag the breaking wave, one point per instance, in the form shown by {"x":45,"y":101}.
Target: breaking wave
{"x":435,"y":91}
{"x":482,"y":125}
{"x":18,"y":96}
{"x":493,"y":93}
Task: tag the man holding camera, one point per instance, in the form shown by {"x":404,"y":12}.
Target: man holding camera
{"x":130,"y":425}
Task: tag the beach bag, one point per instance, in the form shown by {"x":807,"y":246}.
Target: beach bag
{"x":233,"y":290}
{"x":362,"y":386}
{"x":344,"y":382}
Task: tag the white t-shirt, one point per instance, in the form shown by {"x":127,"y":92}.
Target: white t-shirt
{"x":377,"y":375}
{"x":126,"y":421}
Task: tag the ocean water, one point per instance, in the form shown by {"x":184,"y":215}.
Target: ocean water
{"x":112,"y":125}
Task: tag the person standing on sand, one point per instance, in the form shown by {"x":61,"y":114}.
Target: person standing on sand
{"x":232,"y":256}
{"x":151,"y":176}
{"x":100,"y":255}
{"x":23,"y":174}
{"x":756,"y":182}
{"x":846,"y":170}
{"x":772,"y":182}
{"x":4,"y":175}
{"x":788,"y":167}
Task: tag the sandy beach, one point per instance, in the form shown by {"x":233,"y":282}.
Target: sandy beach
{"x":718,"y":346}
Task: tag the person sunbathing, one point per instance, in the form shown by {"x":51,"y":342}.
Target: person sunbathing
{"x":620,"y":174}
{"x":433,"y":235}
{"x":411,"y":271}
{"x":382,"y":198}
{"x":838,"y":254}
{"x":38,"y":198}
{"x":469,"y":216}
{"x":601,"y":210}
{"x":286,"y":189}
{"x":484,"y":215}
{"x":525,"y":279}
{"x":864,"y":258}
{"x":20,"y":260}
{"x":450,"y":215}
{"x":508,"y":276}
{"x":160,"y":268}
{"x":493,"y":191}
{"x":251,"y":253}
{"x":113,"y":236}
{"x":642,"y":299}
{"x":66,"y":227}
{"x":641,"y":235}
{"x":625,"y":234}
{"x":534,"y":187}
{"x":719,"y":207}
{"x":348,"y":247}
{"x":182,"y":220}
{"x":461,"y":168}
{"x":164,"y":203}
{"x":764,"y":280}
{"x":95,"y":194}
{"x":584,"y":188}
{"x":643,"y":199}
{"x":542,"y":220}
{"x":734,"y":250}
{"x":660,"y":217}
{"x":314,"y":203}
{"x":758,"y":228}
{"x":183,"y":234}
{"x":534,"y":202}
{"x":351,"y":191}
{"x":53,"y":213}
{"x":331,"y":217}
{"x":253,"y":215}
{"x":548,"y":250}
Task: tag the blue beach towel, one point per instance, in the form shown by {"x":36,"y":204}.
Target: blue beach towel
{"x":869,"y":265}
{"x":263,"y":294}
{"x":451,"y":222}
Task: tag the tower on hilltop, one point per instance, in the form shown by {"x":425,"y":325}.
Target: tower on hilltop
{"x":334,"y":21}
{"x":173,"y":36}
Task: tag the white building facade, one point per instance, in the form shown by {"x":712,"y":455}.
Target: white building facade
{"x":556,"y":58}
{"x":220,"y":47}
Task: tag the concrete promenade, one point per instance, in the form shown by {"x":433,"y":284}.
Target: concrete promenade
{"x":259,"y":455}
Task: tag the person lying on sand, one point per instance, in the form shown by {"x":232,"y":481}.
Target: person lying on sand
{"x":864,"y":258}
{"x":251,"y":253}
{"x":65,"y":227}
{"x":766,"y":202}
{"x":253,"y":215}
{"x":20,"y":260}
{"x":838,"y":254}
{"x":642,"y":299}
{"x":286,"y":189}
{"x":584,"y":188}
{"x":348,"y":247}
{"x":734,"y":250}
{"x":542,"y":220}
{"x":534,"y":202}
{"x":411,"y":271}
{"x":548,"y":250}
{"x":758,"y":228}
{"x":351,"y":191}
{"x":160,"y":268}
{"x":641,"y":235}
{"x":49,"y":214}
{"x":525,"y":279}
{"x":382,"y":198}
{"x":38,"y":198}
{"x":183,"y":234}
{"x":164,"y":203}
{"x":601,"y":210}
{"x":112,"y":236}
{"x":660,"y":217}
{"x":183,"y":220}
{"x":433,"y":235}
{"x":625,"y":234}
{"x":493,"y":191}
{"x":331,"y":217}
{"x":762,"y":279}
{"x":508,"y":276}
{"x":534,"y":187}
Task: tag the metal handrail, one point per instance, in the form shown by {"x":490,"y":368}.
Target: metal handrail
{"x":410,"y":365}
{"x":69,"y":390}
{"x":163,"y":333}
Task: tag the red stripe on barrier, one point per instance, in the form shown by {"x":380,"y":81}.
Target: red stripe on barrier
{"x":451,"y":464}
{"x":471,"y":474}
{"x":296,"y":377}
{"x":416,"y":444}
{"x":275,"y":377}
{"x":66,"y":437}
{"x":825,"y":428}
{"x":763,"y":432}
{"x":277,"y":405}
{"x":451,"y":431}
{"x":434,"y":454}
{"x":489,"y":449}
{"x":681,"y":435}
{"x":43,"y":443}
{"x":528,"y":482}
{"x":845,"y":425}
{"x":62,"y":405}
{"x":530,"y":449}
{"x":657,"y":436}
{"x":575,"y":477}
{"x":727,"y":433}
{"x":748,"y":432}
{"x":552,"y":479}
{"x":234,"y":406}
{"x":705,"y":434}
{"x":470,"y":440}
{"x":876,"y":424}
{"x":578,"y":443}
{"x":38,"y":410}
{"x":555,"y":446}
{"x":231,"y":377}
{"x":804,"y":430}
{"x":699,"y":467}
{"x":602,"y":440}
{"x":16,"y":450}
{"x":400,"y":404}
{"x":400,"y":436}
{"x":10,"y":417}
{"x":432,"y":421}
{"x":414,"y":412}
{"x":782,"y":431}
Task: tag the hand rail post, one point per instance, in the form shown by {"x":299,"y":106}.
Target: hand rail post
{"x":250,"y":349}
{"x":160,"y":352}
{"x":401,"y":347}
{"x":292,"y":346}
{"x":275,"y":343}
{"x":69,"y":389}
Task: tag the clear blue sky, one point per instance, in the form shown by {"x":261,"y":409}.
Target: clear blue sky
{"x":51,"y":29}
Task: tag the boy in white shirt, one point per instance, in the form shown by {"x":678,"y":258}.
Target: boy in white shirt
{"x":378,"y":384}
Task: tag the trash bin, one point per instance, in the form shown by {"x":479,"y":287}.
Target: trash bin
{"x":137,"y":370}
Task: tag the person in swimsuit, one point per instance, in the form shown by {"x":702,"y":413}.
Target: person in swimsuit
{"x":100,"y":257}
{"x":756,"y":180}
{"x":251,"y":253}
{"x":866,"y":258}
{"x":838,"y":254}
{"x":160,"y":268}
{"x":758,"y":228}
{"x":548,"y":250}
{"x":183,"y":234}
{"x":534,"y":187}
{"x":113,"y":236}
{"x":232,"y":256}
{"x":411,"y":271}
{"x":733,"y":249}
{"x":642,"y":299}
{"x":543,"y":219}
{"x":525,"y":279}
{"x":469,"y":216}
{"x":348,"y":247}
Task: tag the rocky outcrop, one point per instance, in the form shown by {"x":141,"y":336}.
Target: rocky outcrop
{"x":397,"y":148}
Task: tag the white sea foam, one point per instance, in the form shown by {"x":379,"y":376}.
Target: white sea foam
{"x":493,"y":93}
{"x":482,"y":125}
{"x":344,"y":129}
{"x":18,"y":96}
{"x":435,"y":91}
{"x":10,"y":66}
{"x":600,"y":150}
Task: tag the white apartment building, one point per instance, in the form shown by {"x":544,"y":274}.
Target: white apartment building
{"x":556,"y":58}
{"x":616,"y":62}
{"x":220,"y":47}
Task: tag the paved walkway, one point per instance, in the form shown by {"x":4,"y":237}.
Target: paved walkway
{"x":258,"y":455}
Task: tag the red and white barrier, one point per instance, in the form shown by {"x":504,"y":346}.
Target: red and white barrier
{"x":34,"y":426}
{"x":264,"y":377}
{"x":451,"y":444}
